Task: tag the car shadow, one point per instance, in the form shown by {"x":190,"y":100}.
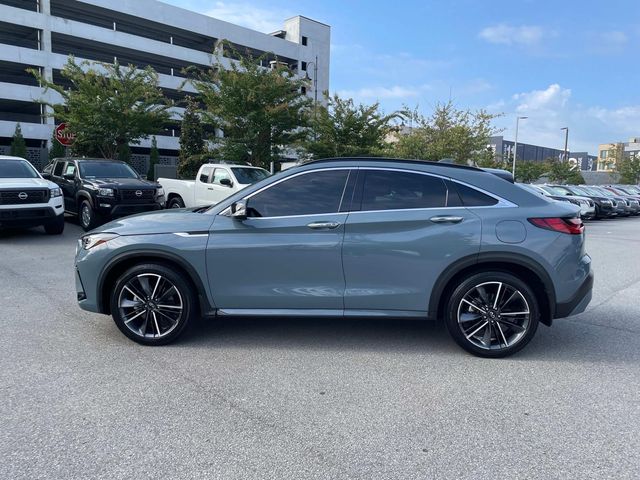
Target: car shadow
{"x":567,"y":340}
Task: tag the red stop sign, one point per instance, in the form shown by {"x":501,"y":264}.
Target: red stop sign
{"x":64,"y":136}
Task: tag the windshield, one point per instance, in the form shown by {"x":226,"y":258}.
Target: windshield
{"x":247,"y":176}
{"x":17,"y":169}
{"x":98,"y":169}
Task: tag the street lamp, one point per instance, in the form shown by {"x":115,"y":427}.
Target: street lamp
{"x":515,"y":146}
{"x":566,"y":142}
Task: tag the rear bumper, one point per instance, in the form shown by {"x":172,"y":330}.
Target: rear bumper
{"x":579,"y":302}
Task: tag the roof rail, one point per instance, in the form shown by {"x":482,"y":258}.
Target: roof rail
{"x":398,"y":160}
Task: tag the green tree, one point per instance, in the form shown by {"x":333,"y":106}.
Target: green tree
{"x":488,"y":159}
{"x":564,"y":172}
{"x":192,"y":140}
{"x":449,"y":132}
{"x":344,"y":129}
{"x":629,"y":169}
{"x":18,"y":144}
{"x":530,"y":171}
{"x":57,"y":150}
{"x":261,"y":111}
{"x":154,"y":159}
{"x":108,"y":106}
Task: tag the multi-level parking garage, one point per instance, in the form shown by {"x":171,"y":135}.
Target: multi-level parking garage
{"x":41,"y":34}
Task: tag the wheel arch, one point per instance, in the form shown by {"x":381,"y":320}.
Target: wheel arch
{"x":526,"y":269}
{"x":84,"y":195}
{"x":121,"y":263}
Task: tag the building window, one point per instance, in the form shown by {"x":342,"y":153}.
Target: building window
{"x":604,"y":154}
{"x":303,"y":90}
{"x":304,"y":66}
{"x":305,"y":40}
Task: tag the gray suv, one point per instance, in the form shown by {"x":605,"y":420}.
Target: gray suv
{"x":352,"y":238}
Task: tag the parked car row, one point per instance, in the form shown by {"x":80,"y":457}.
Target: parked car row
{"x":595,"y":201}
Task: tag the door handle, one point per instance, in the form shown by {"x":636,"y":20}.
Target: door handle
{"x":209,"y":188}
{"x":323,"y":225}
{"x":446,"y":219}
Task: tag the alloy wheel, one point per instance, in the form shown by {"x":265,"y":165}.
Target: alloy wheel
{"x":493,"y":315}
{"x":85,"y":215}
{"x":150,"y":305}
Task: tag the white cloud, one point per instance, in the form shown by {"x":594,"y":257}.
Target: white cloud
{"x":551,"y":108}
{"x":505,"y":34}
{"x":395,"y":92}
{"x":614,"y":37}
{"x":552,"y":98}
{"x":248,"y":15}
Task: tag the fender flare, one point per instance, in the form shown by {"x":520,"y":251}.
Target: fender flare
{"x":492,"y":257}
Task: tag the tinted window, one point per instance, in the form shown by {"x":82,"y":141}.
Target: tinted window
{"x":389,"y":190}
{"x":474,"y":198}
{"x":204,"y":174}
{"x":307,"y":194}
{"x":58,"y":170}
{"x":98,"y":169}
{"x":16,"y":169}
{"x":247,"y":176}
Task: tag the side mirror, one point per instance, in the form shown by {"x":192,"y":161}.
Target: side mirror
{"x":143,"y":177}
{"x":226,"y":182}
{"x":239,"y":210}
{"x":69,"y":176}
{"x":46,"y":176}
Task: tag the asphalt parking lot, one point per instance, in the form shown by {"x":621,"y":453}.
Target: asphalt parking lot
{"x":297,"y":399}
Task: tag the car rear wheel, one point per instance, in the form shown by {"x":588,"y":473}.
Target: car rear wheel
{"x":492,"y":314}
{"x":152,"y":304}
{"x":176,"y":202}
{"x":56,"y":226}
{"x":87,"y":216}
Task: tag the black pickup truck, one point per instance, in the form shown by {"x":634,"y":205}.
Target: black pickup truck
{"x":98,"y":190}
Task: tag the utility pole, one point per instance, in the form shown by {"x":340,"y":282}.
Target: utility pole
{"x":566,"y":143}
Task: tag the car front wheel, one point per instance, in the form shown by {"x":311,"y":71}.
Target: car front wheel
{"x":175,"y":202}
{"x":152,"y":304}
{"x":88,"y":217}
{"x":56,"y":226}
{"x":492,"y":314}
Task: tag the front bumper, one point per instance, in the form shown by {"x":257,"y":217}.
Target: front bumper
{"x":27,"y":217}
{"x":579,"y":302}
{"x":111,"y":210}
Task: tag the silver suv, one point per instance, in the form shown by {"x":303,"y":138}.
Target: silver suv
{"x":348,"y":237}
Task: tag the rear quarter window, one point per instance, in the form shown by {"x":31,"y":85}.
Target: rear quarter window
{"x":462,"y":195}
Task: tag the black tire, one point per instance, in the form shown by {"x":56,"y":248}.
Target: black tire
{"x":87,"y":216}
{"x":175,"y":202}
{"x":511,"y":332}
{"x":55,"y":227}
{"x":155,"y":325}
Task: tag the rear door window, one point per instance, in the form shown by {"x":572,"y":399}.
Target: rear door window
{"x":470,"y":197}
{"x":205,"y":174}
{"x":394,"y":190}
{"x":57,"y":171}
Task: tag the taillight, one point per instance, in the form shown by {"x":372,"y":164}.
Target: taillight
{"x":572,"y":226}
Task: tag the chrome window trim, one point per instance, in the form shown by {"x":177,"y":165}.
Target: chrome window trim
{"x":502,"y":203}
{"x":227,"y":211}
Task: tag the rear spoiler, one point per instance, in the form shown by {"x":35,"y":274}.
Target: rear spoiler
{"x":500,"y":173}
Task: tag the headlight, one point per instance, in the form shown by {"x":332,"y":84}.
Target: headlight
{"x":160,"y":192}
{"x":607,"y":202}
{"x":105,"y":192}
{"x":90,"y":241}
{"x":56,"y":192}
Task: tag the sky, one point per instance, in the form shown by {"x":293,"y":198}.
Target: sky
{"x":562,"y":64}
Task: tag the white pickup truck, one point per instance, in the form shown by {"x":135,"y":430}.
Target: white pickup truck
{"x":28,"y":200}
{"x":214,"y":182}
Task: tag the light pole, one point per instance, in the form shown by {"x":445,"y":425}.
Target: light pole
{"x":515,"y":146}
{"x":315,"y":94}
{"x":566,"y":142}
